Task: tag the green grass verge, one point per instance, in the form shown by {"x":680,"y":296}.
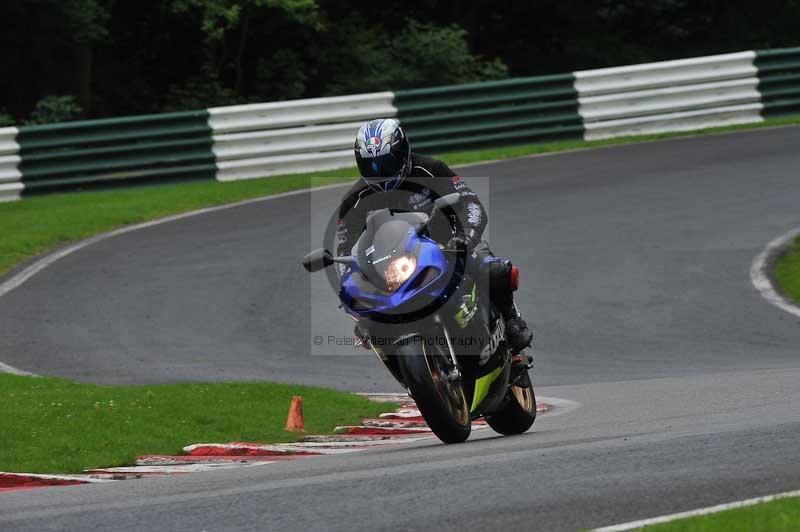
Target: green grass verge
{"x":787,"y":272}
{"x":782,"y":515}
{"x":35,"y":225}
{"x":521,"y":150}
{"x":52,"y":425}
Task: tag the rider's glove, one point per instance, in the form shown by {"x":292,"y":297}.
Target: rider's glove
{"x":459,"y":242}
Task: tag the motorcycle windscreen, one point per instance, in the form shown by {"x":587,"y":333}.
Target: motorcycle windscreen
{"x":385,"y":261}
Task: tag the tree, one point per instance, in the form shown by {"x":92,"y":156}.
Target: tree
{"x":122,"y":58}
{"x":421,"y":55}
{"x":6,"y":119}
{"x":52,"y":109}
{"x":220,"y":19}
{"x":87,"y":23}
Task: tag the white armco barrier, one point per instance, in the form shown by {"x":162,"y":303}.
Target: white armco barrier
{"x":231,"y":146}
{"x":665,"y":73}
{"x":10,"y":176}
{"x":283,"y":164}
{"x":307,"y":112}
{"x":260,"y":140}
{"x":667,"y":96}
{"x":656,"y":101}
{"x":678,"y":121}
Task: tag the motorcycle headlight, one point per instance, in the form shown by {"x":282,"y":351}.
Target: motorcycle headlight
{"x":399,"y":271}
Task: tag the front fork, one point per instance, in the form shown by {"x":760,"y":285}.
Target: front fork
{"x":454,"y":374}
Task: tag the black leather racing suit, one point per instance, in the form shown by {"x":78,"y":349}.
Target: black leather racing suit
{"x":428,"y":180}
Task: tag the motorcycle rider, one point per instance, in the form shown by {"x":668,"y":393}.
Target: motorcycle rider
{"x":384,"y":157}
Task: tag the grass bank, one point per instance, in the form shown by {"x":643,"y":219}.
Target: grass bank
{"x":787,"y":272}
{"x":36,"y":225}
{"x":56,"y":426}
{"x":782,"y":515}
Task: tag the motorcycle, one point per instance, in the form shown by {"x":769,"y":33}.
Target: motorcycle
{"x":424,"y":314}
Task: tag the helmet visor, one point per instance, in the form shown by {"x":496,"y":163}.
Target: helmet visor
{"x":381,"y":167}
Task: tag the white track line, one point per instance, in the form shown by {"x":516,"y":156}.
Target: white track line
{"x":42,"y":263}
{"x":560,"y":406}
{"x":633,"y":525}
{"x":81,"y":478}
{"x":19,"y":278}
{"x":188,"y":467}
{"x":759,"y":274}
{"x":5,"y":368}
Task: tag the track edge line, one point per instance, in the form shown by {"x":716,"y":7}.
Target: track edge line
{"x":48,"y":259}
{"x":759,"y":272}
{"x":634,"y":525}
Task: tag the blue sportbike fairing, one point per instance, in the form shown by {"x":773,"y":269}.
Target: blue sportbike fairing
{"x":397,"y":274}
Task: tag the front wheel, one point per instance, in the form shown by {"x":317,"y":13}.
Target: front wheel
{"x":439,"y":398}
{"x":519,"y":410}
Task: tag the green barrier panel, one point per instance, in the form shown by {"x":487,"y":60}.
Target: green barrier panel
{"x":106,"y":180}
{"x":117,"y":151}
{"x":88,"y":166}
{"x":457,"y":128}
{"x":165,"y":147}
{"x":471,"y":115}
{"x":779,"y":80}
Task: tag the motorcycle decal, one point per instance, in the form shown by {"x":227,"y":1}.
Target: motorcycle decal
{"x":494,"y":342}
{"x":457,"y":183}
{"x":341,"y":232}
{"x":374,"y":145}
{"x":474,"y":214}
{"x":469,"y":304}
{"x":420,"y":199}
{"x":482,"y":387}
{"x":370,"y":250}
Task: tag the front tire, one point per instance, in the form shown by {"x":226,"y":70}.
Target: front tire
{"x":440,"y":400}
{"x":519,"y":410}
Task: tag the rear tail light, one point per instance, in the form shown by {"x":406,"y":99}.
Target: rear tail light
{"x":513,"y":279}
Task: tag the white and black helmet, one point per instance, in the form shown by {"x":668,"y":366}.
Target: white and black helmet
{"x":383,"y":154}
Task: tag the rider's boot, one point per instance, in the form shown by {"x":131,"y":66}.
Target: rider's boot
{"x":518,"y":337}
{"x":503,"y":280}
{"x":518,"y":334}
{"x":521,"y":361}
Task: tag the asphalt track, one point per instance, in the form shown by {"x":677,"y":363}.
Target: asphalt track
{"x":635,"y":265}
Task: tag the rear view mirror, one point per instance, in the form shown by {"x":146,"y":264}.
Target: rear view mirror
{"x":317,"y":260}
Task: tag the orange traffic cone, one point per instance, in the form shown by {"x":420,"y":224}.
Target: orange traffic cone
{"x":295,"y":420}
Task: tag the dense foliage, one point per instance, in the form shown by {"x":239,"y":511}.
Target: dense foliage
{"x":117,"y":57}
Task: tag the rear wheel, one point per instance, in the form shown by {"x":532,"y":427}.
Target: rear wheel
{"x":519,"y":410}
{"x":439,"y":397}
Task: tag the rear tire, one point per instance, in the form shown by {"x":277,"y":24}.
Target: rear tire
{"x":440,"y":400}
{"x":519,"y":410}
